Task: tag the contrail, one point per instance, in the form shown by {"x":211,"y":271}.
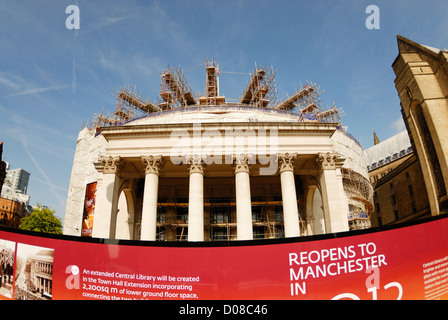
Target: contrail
{"x":42,"y":172}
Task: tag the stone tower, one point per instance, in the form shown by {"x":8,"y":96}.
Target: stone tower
{"x":422,"y":85}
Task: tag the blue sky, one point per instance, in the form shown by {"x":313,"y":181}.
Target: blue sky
{"x":53,"y":79}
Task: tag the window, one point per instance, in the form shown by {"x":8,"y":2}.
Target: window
{"x":394,"y":200}
{"x":408,"y":178}
{"x":377,"y":207}
{"x":278,"y":211}
{"x":182,"y":214}
{"x":160,"y":235}
{"x":161,"y":214}
{"x":220,"y":215}
{"x":258,"y":232}
{"x":414,"y":207}
{"x":411,"y":192}
{"x":396,"y":214}
{"x":256,"y":214}
{"x":220,"y":234}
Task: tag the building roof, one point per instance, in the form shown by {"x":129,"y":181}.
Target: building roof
{"x":407,"y":45}
{"x":222,"y":114}
{"x":388,"y":150}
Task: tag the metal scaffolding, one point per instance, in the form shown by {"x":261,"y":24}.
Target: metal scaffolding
{"x":260,"y":92}
{"x":174,"y":89}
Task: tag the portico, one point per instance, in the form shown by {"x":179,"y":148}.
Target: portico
{"x":219,"y":195}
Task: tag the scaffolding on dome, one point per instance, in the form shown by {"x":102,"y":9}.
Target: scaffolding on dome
{"x":174,"y":89}
{"x":359,"y":193}
{"x":261,"y":91}
{"x":175,"y":92}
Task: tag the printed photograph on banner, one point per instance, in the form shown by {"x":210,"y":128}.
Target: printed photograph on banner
{"x":89,"y":209}
{"x":7,"y":254}
{"x":34,"y":273}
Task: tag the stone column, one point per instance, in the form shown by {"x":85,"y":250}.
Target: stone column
{"x":289,"y":196}
{"x":243,"y":199}
{"x":333,"y":196}
{"x":196,"y":199}
{"x":153,"y":164}
{"x":106,"y":200}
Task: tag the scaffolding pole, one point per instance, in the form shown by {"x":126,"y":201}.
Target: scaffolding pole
{"x":174,"y":89}
{"x":261,"y":89}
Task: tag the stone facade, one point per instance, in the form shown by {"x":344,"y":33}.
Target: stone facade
{"x":400,"y":195}
{"x":11,"y":212}
{"x":88,"y":148}
{"x":224,"y":195}
{"x":422,"y":85}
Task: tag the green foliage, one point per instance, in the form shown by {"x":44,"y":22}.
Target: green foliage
{"x":42,"y":219}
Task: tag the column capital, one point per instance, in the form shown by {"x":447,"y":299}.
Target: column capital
{"x":329,"y":161}
{"x":241,"y":162}
{"x":196,"y":163}
{"x":286,"y":161}
{"x":153,"y":164}
{"x":109,"y":164}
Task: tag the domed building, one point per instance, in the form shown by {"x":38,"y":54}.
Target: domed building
{"x":198,"y":168}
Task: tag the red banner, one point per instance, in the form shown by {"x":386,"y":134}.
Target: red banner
{"x":409,"y":262}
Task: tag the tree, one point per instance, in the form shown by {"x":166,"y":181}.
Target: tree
{"x":42,"y":219}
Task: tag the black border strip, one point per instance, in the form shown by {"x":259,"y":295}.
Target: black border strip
{"x":186,"y":244}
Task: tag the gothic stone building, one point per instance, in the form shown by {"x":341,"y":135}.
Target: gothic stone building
{"x":422,"y":85}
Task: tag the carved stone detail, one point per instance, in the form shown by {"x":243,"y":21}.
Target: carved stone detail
{"x":153,"y":164}
{"x":286,"y":161}
{"x":241,"y":162}
{"x":109,"y":164}
{"x":196,"y":163}
{"x":329,"y":161}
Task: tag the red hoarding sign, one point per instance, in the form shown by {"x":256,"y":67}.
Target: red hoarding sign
{"x":409,"y":262}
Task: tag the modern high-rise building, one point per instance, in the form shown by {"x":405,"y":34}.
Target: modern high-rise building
{"x":200,"y":168}
{"x":14,"y":202}
{"x":18,"y":179}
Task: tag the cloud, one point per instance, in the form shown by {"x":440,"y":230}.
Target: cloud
{"x":398,"y":125}
{"x":9,"y":82}
{"x":23,"y":87}
{"x":111,"y":20}
{"x":103,"y":22}
{"x":74,"y":78}
{"x":47,"y":137}
{"x":52,"y":186}
{"x":49,"y":184}
{"x":38,"y":90}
